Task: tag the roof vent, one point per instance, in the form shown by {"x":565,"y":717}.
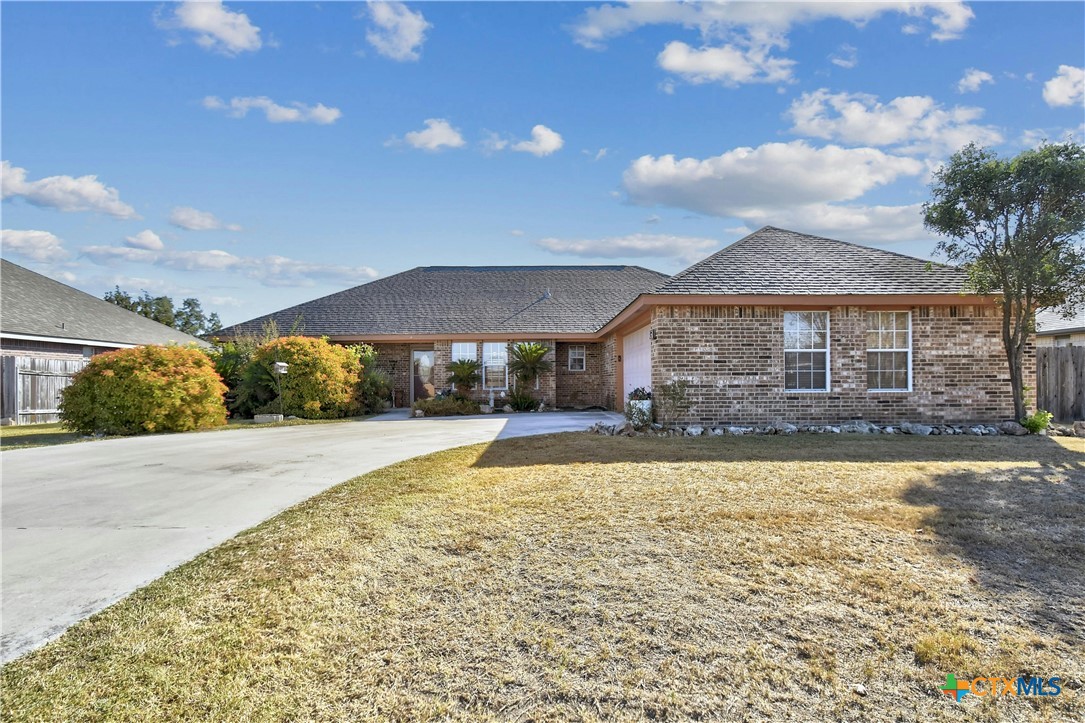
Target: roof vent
{"x":547,"y":294}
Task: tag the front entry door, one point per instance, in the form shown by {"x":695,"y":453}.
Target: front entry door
{"x":422,"y":386}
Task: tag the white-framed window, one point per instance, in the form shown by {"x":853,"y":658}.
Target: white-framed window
{"x":464,"y":350}
{"x":495,"y":365}
{"x":578,"y":358}
{"x":806,"y":351}
{"x":889,"y":351}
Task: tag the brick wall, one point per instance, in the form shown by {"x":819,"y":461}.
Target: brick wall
{"x":609,"y":371}
{"x":733,"y":358}
{"x":395,"y":360}
{"x":580,"y":389}
{"x":443,"y":357}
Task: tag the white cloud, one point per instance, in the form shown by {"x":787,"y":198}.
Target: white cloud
{"x":948,"y":20}
{"x":216,"y":28}
{"x":972,"y":79}
{"x":296,"y":112}
{"x":852,"y":222}
{"x":635,"y":245}
{"x":147,"y":239}
{"x":595,"y":155}
{"x":194,"y":220}
{"x":437,"y":134}
{"x":39,"y":246}
{"x":64,"y":193}
{"x":728,"y":64}
{"x":913,"y":124}
{"x":395,"y":31}
{"x":653,"y":219}
{"x":493,"y":142}
{"x":1066,"y":88}
{"x":771,"y":176}
{"x":268,"y":270}
{"x":847,"y":56}
{"x":544,"y":141}
{"x":517,"y":232}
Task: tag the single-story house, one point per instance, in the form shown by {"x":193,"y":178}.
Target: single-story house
{"x":779,"y":326}
{"x":47,"y":332}
{"x":1054,"y":329}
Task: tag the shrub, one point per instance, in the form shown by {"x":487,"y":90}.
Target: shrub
{"x":640,"y":394}
{"x":375,"y":387}
{"x":446,"y":407}
{"x":322,"y":380}
{"x":671,"y":400}
{"x":1038,"y":422}
{"x":522,"y":401}
{"x":465,"y":374}
{"x":145,"y":389}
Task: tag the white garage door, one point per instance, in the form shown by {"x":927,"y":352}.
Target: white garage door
{"x":637,"y":361}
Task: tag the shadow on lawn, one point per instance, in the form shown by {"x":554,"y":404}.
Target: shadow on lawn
{"x":582,"y":447}
{"x":1023,"y":532}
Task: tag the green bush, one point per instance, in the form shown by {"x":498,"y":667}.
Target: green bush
{"x":145,"y":389}
{"x":522,"y":401}
{"x":375,"y":387}
{"x":322,"y":380}
{"x":1038,"y":422}
{"x":446,"y":407}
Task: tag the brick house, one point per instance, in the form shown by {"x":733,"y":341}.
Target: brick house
{"x":779,"y":326}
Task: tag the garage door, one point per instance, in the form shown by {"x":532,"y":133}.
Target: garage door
{"x":636,"y":361}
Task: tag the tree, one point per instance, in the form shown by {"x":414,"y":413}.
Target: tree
{"x":527,"y":362}
{"x":465,"y":374}
{"x":189,"y":318}
{"x":1015,"y":225}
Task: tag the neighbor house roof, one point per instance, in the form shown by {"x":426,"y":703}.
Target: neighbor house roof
{"x":469,"y":300}
{"x":774,"y":261}
{"x":1050,"y":322}
{"x":37,"y":306}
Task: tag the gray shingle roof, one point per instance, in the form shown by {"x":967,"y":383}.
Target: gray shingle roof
{"x":776,"y":261}
{"x":471,"y":300}
{"x":1051,"y":321}
{"x":37,"y":305}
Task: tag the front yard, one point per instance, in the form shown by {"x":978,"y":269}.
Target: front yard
{"x":585,"y":577}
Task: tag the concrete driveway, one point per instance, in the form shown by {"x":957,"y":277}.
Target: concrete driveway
{"x":86,"y":524}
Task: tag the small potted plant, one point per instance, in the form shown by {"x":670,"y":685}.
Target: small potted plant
{"x":638,"y":408}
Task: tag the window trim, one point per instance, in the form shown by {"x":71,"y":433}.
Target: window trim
{"x":486,"y":364}
{"x":452,"y":351}
{"x":828,"y":352}
{"x":583,"y":357}
{"x":908,"y":350}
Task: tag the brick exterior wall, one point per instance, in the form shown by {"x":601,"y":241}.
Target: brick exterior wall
{"x":733,"y":358}
{"x":609,"y":372}
{"x":395,"y":360}
{"x":581,"y":389}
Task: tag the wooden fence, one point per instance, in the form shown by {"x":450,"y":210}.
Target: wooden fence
{"x":30,"y":387}
{"x":1060,"y":381}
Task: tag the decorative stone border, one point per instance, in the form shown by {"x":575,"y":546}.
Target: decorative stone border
{"x":852,"y":427}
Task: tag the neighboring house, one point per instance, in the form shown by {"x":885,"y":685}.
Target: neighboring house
{"x":49,"y":329}
{"x":1053,"y":329}
{"x":779,"y":326}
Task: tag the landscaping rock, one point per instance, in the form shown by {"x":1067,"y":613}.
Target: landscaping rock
{"x":485,"y":409}
{"x":786,"y":428}
{"x":507,"y":409}
{"x":1079,"y":429}
{"x":921,"y":430}
{"x":419,"y":413}
{"x":1012,"y":428}
{"x":717,"y":432}
{"x":694,"y":431}
{"x":858,"y":426}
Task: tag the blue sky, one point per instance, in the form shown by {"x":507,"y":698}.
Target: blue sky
{"x":256,"y":155}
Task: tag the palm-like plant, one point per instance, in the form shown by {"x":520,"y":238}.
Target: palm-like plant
{"x":527,"y":362}
{"x":464,"y":374}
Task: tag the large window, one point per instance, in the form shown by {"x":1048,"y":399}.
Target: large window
{"x":578,"y":358}
{"x":464,"y":350}
{"x":495,"y":365}
{"x":889,"y":350}
{"x":806,"y":351}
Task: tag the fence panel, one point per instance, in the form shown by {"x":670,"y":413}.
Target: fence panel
{"x":1060,"y":381}
{"x":30,"y":387}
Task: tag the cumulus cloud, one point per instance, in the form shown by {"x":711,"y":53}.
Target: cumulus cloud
{"x":847,"y":222}
{"x":238,"y":107}
{"x":1066,"y":88}
{"x":39,"y":246}
{"x":729,"y":64}
{"x":973,"y":79}
{"x":147,"y":239}
{"x":437,"y":134}
{"x":64,"y":193}
{"x":395,"y":31}
{"x":847,"y":56}
{"x":192,"y":219}
{"x":774,"y":175}
{"x":215,"y":27}
{"x":268,"y":270}
{"x":913,"y":124}
{"x":544,"y":141}
{"x":638,"y":245}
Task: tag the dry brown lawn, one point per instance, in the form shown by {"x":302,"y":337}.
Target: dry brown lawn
{"x":577,"y":577}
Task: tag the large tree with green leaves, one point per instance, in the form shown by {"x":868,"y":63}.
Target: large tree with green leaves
{"x":1016,"y":226}
{"x":189,"y":317}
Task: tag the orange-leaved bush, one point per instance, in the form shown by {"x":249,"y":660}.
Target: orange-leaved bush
{"x":321,"y":381}
{"x":143,"y":390}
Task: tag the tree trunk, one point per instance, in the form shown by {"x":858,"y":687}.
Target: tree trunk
{"x":1014,"y":356}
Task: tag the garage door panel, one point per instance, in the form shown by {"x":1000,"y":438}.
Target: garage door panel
{"x":636,"y":361}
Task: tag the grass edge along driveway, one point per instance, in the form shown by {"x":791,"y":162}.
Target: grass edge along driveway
{"x":577,"y":576}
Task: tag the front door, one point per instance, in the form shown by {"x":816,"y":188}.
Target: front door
{"x":422,"y":375}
